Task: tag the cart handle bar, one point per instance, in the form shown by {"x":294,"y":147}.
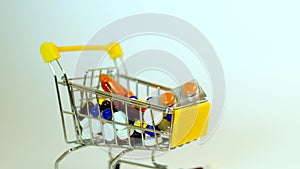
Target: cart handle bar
{"x":50,"y":51}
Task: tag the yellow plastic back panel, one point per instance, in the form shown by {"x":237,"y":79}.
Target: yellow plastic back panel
{"x":190,"y":123}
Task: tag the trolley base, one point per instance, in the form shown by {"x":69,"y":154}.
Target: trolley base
{"x":115,"y":162}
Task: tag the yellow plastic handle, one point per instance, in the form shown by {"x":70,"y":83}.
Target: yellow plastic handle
{"x":50,"y":51}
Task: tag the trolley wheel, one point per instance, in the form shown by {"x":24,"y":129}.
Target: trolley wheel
{"x":117,"y":166}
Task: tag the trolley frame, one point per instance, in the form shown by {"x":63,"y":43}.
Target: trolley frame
{"x":86,"y":92}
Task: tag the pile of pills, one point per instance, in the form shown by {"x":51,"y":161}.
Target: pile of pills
{"x":119,"y":121}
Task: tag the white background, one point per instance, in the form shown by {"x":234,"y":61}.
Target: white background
{"x":258,"y":46}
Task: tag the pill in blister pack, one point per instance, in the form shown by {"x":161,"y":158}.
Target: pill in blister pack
{"x":185,"y":94}
{"x":167,"y":99}
{"x":190,"y":89}
{"x":189,"y":92}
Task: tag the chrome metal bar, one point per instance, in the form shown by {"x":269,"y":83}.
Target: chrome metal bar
{"x":61,"y":157}
{"x":125,"y":146}
{"x":125,"y":71}
{"x":154,"y":85}
{"x":117,"y":160}
{"x":75,"y":120}
{"x":141,"y":127}
{"x":60,"y":67}
{"x":137,"y":88}
{"x":99,"y":81}
{"x":114,"y":161}
{"x":158,"y":90}
{"x":91,"y":82}
{"x":61,"y":110}
{"x":116,"y":97}
{"x":68,"y":112}
{"x":113,"y":122}
{"x":109,"y":153}
{"x":171,"y":128}
{"x":148,"y":92}
{"x":160,"y":166}
{"x":128,"y":129}
{"x":137,"y":164}
{"x":52,"y":69}
{"x":104,"y":68}
{"x":90,"y":123}
{"x":153,"y":124}
{"x":116,"y":65}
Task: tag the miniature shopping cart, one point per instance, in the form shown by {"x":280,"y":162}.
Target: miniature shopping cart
{"x":103,"y":112}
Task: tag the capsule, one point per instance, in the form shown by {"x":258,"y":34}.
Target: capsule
{"x":125,"y":133}
{"x":108,"y":84}
{"x":120,"y":117}
{"x":168,"y":99}
{"x":107,"y":114}
{"x":108,"y":132}
{"x":158,"y":120}
{"x":190,"y":89}
{"x":95,"y":111}
{"x":133,"y":97}
{"x":138,"y":124}
{"x":106,"y":104}
{"x":84,"y":123}
{"x":164,"y":125}
{"x":143,"y":109}
{"x":157,"y":116}
{"x":151,"y":134}
{"x":95,"y":126}
{"x":133,"y":114}
{"x":169,"y":117}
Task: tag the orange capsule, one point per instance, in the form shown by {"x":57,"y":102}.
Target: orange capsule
{"x":108,"y":84}
{"x":168,"y":99}
{"x":129,"y":93}
{"x":190,"y":89}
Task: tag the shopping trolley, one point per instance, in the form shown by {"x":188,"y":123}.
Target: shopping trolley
{"x":105,"y":113}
